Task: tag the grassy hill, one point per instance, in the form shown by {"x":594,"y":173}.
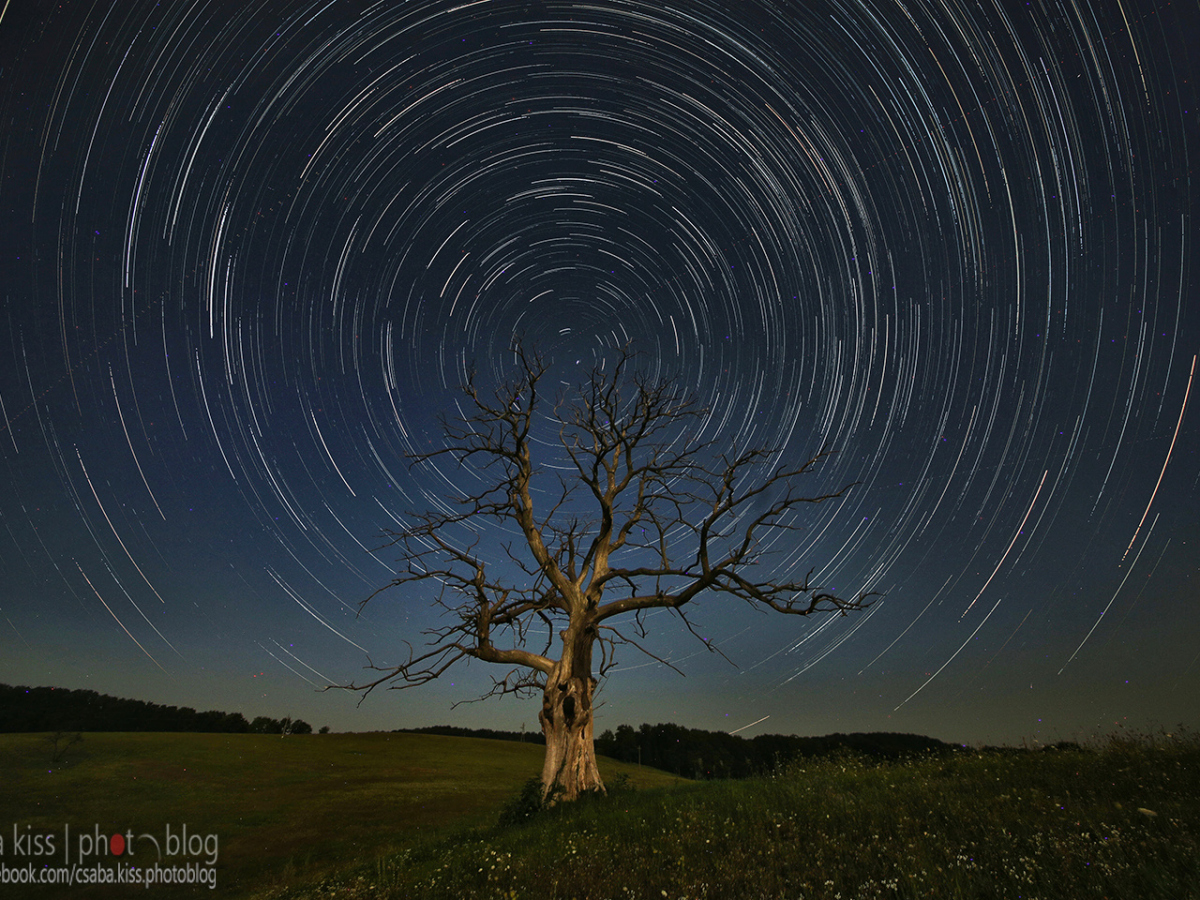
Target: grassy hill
{"x":1122,"y":821}
{"x":414,"y":816}
{"x":283,"y":809}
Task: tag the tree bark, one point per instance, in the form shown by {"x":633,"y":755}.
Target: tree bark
{"x":566,"y":719}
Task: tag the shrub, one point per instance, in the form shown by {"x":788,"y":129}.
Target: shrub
{"x":528,"y":803}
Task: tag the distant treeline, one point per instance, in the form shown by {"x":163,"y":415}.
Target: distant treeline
{"x":530,"y":737}
{"x":25,"y":709}
{"x":716,"y":754}
{"x":690,"y":752}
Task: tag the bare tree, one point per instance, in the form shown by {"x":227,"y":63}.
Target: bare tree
{"x":610,"y":510}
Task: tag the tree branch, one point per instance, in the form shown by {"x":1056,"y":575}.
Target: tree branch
{"x":643,"y":510}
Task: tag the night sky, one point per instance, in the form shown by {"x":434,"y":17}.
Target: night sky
{"x":248,"y":251}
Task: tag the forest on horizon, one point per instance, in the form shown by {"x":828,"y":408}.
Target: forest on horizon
{"x":689,"y":752}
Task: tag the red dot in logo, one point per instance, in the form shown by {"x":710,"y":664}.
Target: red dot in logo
{"x":116,"y":844}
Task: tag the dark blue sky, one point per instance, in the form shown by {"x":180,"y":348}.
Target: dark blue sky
{"x":249,"y":251}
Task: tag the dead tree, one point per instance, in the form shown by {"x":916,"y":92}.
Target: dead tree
{"x":607,"y":509}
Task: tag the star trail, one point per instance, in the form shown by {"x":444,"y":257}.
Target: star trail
{"x":250,"y":251}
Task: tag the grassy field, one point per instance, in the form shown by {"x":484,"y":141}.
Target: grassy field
{"x":1121,"y":821}
{"x":284,"y":810}
{"x":414,"y":816}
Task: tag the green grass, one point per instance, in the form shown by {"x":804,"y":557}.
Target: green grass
{"x":414,"y":816}
{"x":284,"y":810}
{"x":1121,"y":821}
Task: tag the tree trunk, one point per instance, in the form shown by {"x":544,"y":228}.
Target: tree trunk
{"x":566,"y":719}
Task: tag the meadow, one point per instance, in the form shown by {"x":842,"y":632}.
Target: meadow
{"x":416,"y":816}
{"x":285,"y":810}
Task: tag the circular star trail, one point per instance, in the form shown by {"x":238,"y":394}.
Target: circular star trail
{"x":252,"y":250}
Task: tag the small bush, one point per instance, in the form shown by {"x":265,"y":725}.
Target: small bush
{"x":60,"y":742}
{"x":620,"y":785}
{"x":527,"y":804}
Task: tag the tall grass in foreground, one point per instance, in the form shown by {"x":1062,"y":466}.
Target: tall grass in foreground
{"x":1118,"y":821}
